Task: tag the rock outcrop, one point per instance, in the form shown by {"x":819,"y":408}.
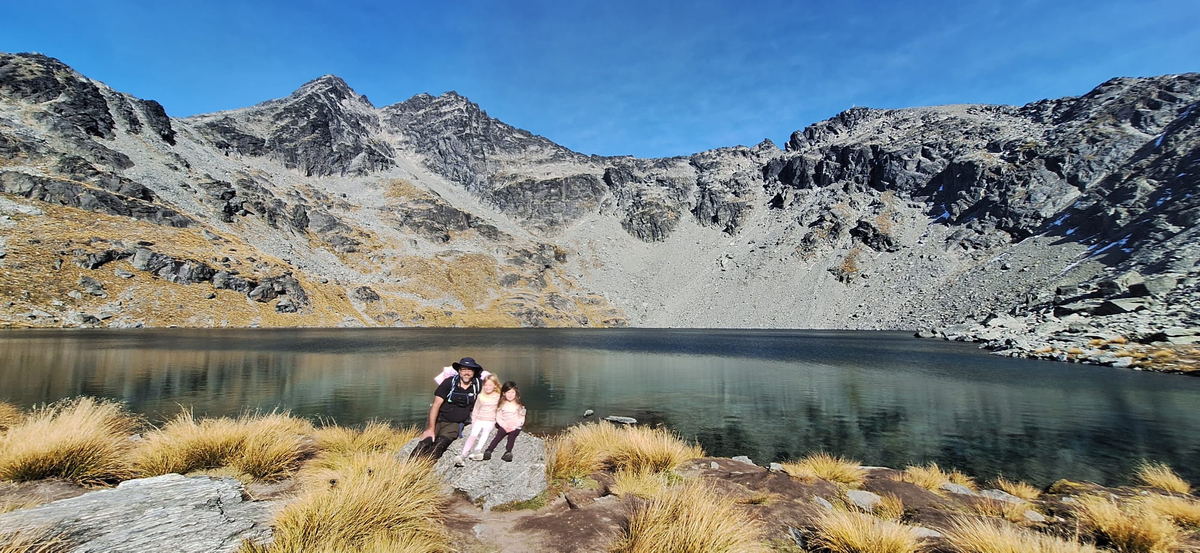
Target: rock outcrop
{"x":164,"y":513}
{"x":495,"y":482}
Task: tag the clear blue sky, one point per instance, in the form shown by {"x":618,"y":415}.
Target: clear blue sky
{"x":616,"y":77}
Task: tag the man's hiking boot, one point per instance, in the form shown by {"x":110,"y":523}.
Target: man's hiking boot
{"x":477,"y":456}
{"x":458,"y":460}
{"x":507,"y":454}
{"x":487,"y":455}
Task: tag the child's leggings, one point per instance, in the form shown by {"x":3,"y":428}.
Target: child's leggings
{"x":477,"y":429}
{"x":500,"y":434}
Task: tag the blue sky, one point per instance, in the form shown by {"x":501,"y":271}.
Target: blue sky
{"x":616,"y":77}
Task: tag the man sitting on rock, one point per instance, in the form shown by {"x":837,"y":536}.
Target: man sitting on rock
{"x":451,"y":410}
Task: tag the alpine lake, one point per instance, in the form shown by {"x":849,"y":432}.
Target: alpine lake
{"x":883,"y":398}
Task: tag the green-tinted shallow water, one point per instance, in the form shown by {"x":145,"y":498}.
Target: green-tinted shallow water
{"x":883,"y":398}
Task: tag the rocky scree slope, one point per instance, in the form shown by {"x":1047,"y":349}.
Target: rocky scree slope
{"x":897,"y":219}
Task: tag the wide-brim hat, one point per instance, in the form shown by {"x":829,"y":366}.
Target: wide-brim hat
{"x":468,"y":363}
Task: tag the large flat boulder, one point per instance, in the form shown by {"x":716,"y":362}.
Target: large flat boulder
{"x":494,"y":482}
{"x":170,"y":513}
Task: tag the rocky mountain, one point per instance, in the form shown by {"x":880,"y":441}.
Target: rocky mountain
{"x":322,"y":209}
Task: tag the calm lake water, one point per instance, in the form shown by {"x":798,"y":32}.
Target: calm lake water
{"x":882,"y":398}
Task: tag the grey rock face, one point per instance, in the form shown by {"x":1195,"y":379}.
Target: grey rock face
{"x":957,"y":488}
{"x":165,"y":513}
{"x":71,"y":194}
{"x":494,"y":482}
{"x":864,"y":500}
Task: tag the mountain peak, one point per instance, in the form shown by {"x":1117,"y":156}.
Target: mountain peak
{"x":330,"y":86}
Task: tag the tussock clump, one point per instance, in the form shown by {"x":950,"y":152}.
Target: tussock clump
{"x":587,"y":448}
{"x":890,"y":508}
{"x":968,"y":535}
{"x":1133,"y":529}
{"x":375,"y":436}
{"x":849,"y":532}
{"x":688,"y":518}
{"x":645,"y":484}
{"x":367,"y":502}
{"x":82,"y":440}
{"x":1018,"y":489}
{"x":266,"y":447}
{"x":1184,"y":512}
{"x":932,"y":477}
{"x":1011,"y":512}
{"x":10,"y":416}
{"x":828,"y":467}
{"x":186,"y":445}
{"x":45,"y":540}
{"x":1159,"y":475}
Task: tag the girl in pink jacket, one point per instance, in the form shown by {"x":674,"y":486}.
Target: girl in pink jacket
{"x":510,"y":417}
{"x":483,"y":418}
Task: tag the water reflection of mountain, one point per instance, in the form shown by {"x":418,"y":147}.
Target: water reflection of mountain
{"x":880,"y":398}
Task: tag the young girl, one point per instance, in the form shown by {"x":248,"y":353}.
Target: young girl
{"x":483,"y":418}
{"x":510,"y":416}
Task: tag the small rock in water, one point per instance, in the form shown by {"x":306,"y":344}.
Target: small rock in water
{"x":621,"y":420}
{"x":589,"y":413}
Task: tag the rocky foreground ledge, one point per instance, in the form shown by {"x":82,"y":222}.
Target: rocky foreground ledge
{"x":787,"y":510}
{"x":1125,"y":320}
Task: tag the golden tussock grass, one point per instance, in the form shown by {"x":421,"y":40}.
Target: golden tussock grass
{"x":375,"y":436}
{"x":1133,"y":529}
{"x":968,"y":535}
{"x":758,"y":498}
{"x":82,"y":440}
{"x":1185,"y":512}
{"x":851,"y":532}
{"x":1018,"y":489}
{"x":932,"y":477}
{"x":264,"y":446}
{"x":688,"y":518}
{"x":587,"y":448}
{"x":828,"y":467}
{"x":645,"y":484}
{"x":45,"y":540}
{"x":992,"y":508}
{"x":890,"y":507}
{"x":10,"y":415}
{"x":1159,"y":475}
{"x":368,"y":502}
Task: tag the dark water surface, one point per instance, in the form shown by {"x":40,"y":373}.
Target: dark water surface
{"x":882,"y":398}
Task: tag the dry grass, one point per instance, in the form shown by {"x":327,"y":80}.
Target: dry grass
{"x":1018,"y":489}
{"x":587,"y":448}
{"x":82,"y":440}
{"x":932,"y":477}
{"x":1184,"y":512}
{"x":375,"y":436}
{"x":368,"y":502}
{"x":644,"y":484}
{"x":828,"y":467}
{"x":1134,"y":529}
{"x":45,"y":540}
{"x":758,"y":498}
{"x":968,"y":535}
{"x":264,"y":446}
{"x":686,"y":519}
{"x":10,"y":416}
{"x":849,"y":532}
{"x":890,"y":508}
{"x":992,"y":508}
{"x":1159,"y":475}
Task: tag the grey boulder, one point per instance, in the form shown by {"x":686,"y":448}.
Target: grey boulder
{"x":494,"y":482}
{"x":172,"y":513}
